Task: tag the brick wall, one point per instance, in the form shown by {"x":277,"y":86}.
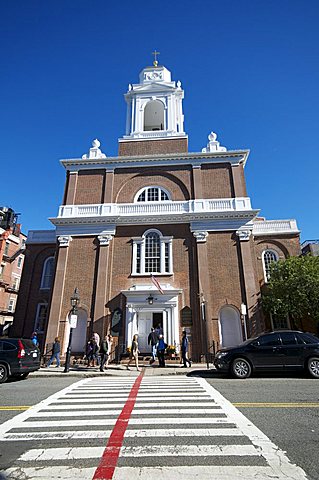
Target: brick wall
{"x":30,"y":293}
{"x":90,"y":186}
{"x":153,"y":147}
{"x":129,"y":181}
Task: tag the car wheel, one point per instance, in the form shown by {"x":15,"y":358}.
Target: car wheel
{"x":313,"y":366}
{"x":240,"y":368}
{"x":3,"y":373}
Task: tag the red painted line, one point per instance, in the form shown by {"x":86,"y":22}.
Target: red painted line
{"x":110,"y":456}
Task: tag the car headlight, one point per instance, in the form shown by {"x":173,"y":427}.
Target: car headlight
{"x":221,"y":354}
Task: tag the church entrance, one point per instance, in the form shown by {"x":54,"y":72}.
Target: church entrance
{"x":147,"y":320}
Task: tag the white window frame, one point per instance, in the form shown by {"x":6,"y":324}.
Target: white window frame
{"x":11,"y":304}
{"x":145,"y":189}
{"x":37,"y":317}
{"x":20,"y":262}
{"x":44,"y":283}
{"x":142,"y":242}
{"x":267,"y":277}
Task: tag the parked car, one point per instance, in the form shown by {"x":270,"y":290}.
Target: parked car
{"x":275,"y":351}
{"x":18,"y":357}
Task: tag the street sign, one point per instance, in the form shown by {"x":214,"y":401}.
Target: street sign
{"x":73,"y":321}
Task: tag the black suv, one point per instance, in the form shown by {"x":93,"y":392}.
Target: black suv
{"x":276,"y":351}
{"x":18,"y":357}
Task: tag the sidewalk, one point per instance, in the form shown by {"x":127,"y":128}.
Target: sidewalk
{"x":121,"y":371}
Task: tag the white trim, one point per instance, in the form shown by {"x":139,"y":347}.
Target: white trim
{"x":146,"y":189}
{"x":43,"y":273}
{"x":234,"y":157}
{"x":142,"y":242}
{"x":276,"y":254}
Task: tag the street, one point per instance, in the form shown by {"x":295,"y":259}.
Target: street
{"x":160,"y":427}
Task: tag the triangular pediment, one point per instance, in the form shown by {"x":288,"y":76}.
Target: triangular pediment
{"x":153,"y":87}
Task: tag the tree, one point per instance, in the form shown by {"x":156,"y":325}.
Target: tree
{"x":293,"y":290}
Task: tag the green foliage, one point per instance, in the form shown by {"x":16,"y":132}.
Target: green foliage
{"x":293,"y":289}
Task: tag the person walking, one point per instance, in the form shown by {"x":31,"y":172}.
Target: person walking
{"x":104,"y":351}
{"x":110,"y":343}
{"x":161,"y":347}
{"x":92,"y":352}
{"x":56,"y":349}
{"x":153,"y":341}
{"x":134,"y":353}
{"x":185,"y":350}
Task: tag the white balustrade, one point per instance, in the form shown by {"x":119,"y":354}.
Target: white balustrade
{"x":275,"y":226}
{"x":156,"y":208}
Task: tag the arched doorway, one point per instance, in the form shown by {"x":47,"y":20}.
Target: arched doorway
{"x":154,"y":116}
{"x":230,"y":329}
{"x":79,"y":333}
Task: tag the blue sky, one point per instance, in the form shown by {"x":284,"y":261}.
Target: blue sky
{"x":249,"y":69}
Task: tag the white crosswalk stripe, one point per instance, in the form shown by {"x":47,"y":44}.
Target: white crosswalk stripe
{"x":180,"y":428}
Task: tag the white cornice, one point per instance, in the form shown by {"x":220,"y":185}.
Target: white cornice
{"x":176,"y":159}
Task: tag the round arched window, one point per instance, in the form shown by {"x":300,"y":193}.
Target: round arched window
{"x":269,"y":257}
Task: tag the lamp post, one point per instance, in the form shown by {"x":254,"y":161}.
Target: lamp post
{"x":75,"y":300}
{"x":243,"y":311}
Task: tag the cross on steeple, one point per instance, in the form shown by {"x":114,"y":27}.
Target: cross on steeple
{"x":155,"y":53}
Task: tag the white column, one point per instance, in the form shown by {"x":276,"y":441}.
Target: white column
{"x":162,"y":256}
{"x":133,"y":115}
{"x":170,"y":255}
{"x":134,"y":258}
{"x":165,"y":333}
{"x":168,"y":315}
{"x":175,"y":325}
{"x":143,"y":257}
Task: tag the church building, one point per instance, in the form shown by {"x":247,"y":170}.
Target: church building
{"x":155,"y":236}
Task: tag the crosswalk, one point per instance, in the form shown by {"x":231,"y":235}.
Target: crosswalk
{"x":177,"y":428}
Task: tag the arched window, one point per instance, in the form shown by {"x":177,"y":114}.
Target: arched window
{"x":47,"y":273}
{"x":268,"y":257}
{"x":152,"y":194}
{"x":152,"y":253}
{"x":154,"y":116}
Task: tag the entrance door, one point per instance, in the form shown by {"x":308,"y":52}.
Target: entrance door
{"x":145,"y":321}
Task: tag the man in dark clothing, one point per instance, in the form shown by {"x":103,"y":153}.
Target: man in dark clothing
{"x":153,"y":341}
{"x":104,"y":351}
{"x":56,"y":349}
{"x":185,"y":350}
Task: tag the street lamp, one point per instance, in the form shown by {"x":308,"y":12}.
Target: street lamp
{"x":150,"y":299}
{"x":75,"y":300}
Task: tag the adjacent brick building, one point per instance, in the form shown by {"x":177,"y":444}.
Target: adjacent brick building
{"x":156,"y":210}
{"x":12,"y":246}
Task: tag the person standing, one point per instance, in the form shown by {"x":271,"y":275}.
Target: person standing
{"x":185,"y":350}
{"x":161,"y":347}
{"x":34,"y":339}
{"x":56,"y":349}
{"x":153,"y":341}
{"x":104,"y":351}
{"x":134,"y":353}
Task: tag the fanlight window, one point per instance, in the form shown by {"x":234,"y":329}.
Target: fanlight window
{"x":152,"y":253}
{"x":152,"y":194}
{"x":47,"y":273}
{"x":269,"y":257}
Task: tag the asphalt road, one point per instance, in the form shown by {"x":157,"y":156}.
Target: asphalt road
{"x":285,"y":409}
{"x":294,"y":426}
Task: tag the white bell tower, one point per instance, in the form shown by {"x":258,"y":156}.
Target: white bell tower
{"x":154,"y":106}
